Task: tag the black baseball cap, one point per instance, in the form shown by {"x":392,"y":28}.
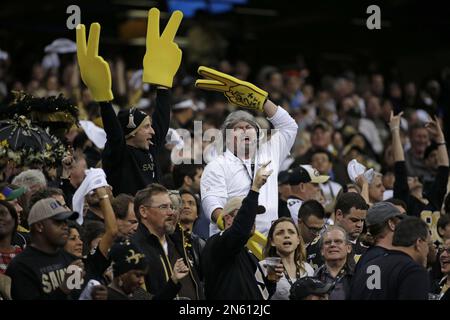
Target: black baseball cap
{"x":283,"y":177}
{"x":306,"y":286}
{"x":305,"y":174}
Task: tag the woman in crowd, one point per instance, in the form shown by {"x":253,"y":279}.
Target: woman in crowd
{"x":284,"y":241}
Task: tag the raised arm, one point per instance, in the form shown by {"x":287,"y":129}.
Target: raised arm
{"x":394,"y":125}
{"x":96,"y":75}
{"x":111,"y":229}
{"x":246,"y":95}
{"x":401,"y":189}
{"x":234,"y":238}
{"x":439,"y":188}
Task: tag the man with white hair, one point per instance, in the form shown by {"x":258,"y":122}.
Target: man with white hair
{"x":231,"y":174}
{"x":33,"y":180}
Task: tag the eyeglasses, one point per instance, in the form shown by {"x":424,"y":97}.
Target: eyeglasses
{"x":161,"y":207}
{"x":313,"y":230}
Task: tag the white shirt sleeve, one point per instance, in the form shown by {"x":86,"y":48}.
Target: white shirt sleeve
{"x":286,"y":130}
{"x":211,"y":203}
{"x":213,"y":188}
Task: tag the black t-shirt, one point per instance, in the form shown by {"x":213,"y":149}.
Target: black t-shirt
{"x":400,"y":278}
{"x":369,"y":255}
{"x":37,"y":275}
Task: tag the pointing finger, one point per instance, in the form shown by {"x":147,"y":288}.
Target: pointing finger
{"x":267,"y":163}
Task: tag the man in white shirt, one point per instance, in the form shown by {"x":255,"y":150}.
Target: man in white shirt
{"x":305,"y":185}
{"x":231,"y":174}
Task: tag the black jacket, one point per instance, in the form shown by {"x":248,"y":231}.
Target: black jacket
{"x":435,"y":195}
{"x":230,"y":271}
{"x":157,"y":280}
{"x":192,"y":246}
{"x":129,"y":169}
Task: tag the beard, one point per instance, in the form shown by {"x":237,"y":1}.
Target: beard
{"x":169,"y":227}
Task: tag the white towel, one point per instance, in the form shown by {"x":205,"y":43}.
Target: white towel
{"x":354,"y":169}
{"x":96,"y":134}
{"x":95,"y":178}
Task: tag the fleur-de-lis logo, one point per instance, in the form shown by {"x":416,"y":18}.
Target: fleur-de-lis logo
{"x":134,"y":256}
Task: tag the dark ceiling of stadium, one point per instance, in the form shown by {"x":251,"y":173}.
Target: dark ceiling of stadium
{"x":270,"y":30}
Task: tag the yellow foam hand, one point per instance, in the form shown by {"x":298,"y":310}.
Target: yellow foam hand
{"x":94,"y":70}
{"x":162,"y":57}
{"x":256,"y":249}
{"x":256,"y":243}
{"x":238,"y":92}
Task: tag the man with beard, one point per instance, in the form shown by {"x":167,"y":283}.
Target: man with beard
{"x":157,"y":220}
{"x":41,"y":271}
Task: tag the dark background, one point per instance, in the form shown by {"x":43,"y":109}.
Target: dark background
{"x":414,"y":41}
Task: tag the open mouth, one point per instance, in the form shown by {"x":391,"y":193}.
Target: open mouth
{"x":287,"y":243}
{"x":149,"y":140}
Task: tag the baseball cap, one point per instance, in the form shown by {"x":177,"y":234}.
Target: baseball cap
{"x":305,"y":174}
{"x":9,"y":194}
{"x":306,"y":286}
{"x":235,"y":204}
{"x":283,"y":177}
{"x":50,"y":208}
{"x":382,"y":211}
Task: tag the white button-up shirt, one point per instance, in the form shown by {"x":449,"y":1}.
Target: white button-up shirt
{"x":227,"y":176}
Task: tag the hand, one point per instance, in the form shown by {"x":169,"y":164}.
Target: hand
{"x":261,"y":176}
{"x":180,"y":270}
{"x":394,"y":122}
{"x":99,"y":293}
{"x":361,"y":180}
{"x":94,"y":70}
{"x":162,"y":57}
{"x":238,"y":92}
{"x":434,"y":128}
{"x":275,"y":274}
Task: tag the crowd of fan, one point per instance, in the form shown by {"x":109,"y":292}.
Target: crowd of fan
{"x":183,"y":231}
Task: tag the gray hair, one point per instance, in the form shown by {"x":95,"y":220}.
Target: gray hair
{"x":237,"y":116}
{"x":29,"y":178}
{"x":331,"y":228}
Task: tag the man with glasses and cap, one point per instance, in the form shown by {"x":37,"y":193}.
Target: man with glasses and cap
{"x":305,"y":185}
{"x":41,"y":271}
